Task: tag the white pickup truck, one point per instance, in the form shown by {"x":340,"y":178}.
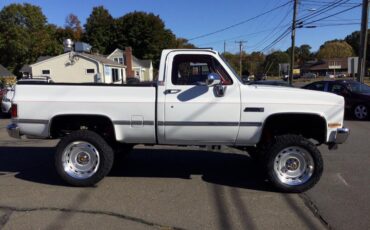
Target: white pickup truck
{"x":197,"y":100}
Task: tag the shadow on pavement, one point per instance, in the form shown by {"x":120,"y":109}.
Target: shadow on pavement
{"x":229,"y":169}
{"x":30,"y":163}
{"x":4,"y":116}
{"x":36,"y":164}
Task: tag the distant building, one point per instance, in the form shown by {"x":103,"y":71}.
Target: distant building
{"x":330,"y":66}
{"x":141,"y":69}
{"x":77,"y":67}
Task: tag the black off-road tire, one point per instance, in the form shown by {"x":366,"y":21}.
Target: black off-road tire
{"x":279,"y":144}
{"x":106,"y":156}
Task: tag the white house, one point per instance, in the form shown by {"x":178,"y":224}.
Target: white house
{"x":141,"y":69}
{"x":78,"y":67}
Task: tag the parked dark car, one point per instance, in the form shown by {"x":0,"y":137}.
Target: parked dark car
{"x":270,"y":82}
{"x":2,"y":90}
{"x":356,"y":95}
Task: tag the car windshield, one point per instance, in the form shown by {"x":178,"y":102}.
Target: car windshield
{"x":358,"y":87}
{"x":230,"y":67}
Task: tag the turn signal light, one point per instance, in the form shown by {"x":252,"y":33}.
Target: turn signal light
{"x":334,"y":125}
{"x":14,"y":111}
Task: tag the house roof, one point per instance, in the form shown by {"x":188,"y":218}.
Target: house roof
{"x":325,"y":63}
{"x":25,"y":69}
{"x":100,"y":58}
{"x":97,"y":58}
{"x":43,"y":58}
{"x":143,"y":63}
{"x":4,"y":72}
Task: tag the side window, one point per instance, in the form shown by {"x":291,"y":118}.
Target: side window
{"x":46,"y":71}
{"x":319,"y":86}
{"x":194,"y":69}
{"x":336,"y":88}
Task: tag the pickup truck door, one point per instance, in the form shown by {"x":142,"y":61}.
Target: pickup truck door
{"x":193,"y":113}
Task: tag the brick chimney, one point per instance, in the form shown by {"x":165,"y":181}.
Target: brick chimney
{"x":128,"y":62}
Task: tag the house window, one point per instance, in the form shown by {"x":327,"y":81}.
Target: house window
{"x":90,"y":71}
{"x":115,"y":76}
{"x":46,"y":71}
{"x":119,"y":60}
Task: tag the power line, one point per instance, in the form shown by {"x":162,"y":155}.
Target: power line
{"x":242,"y":36}
{"x":322,"y":10}
{"x":239,"y":23}
{"x":332,"y":15}
{"x":277,"y":40}
{"x":273,"y":33}
{"x":325,"y":2}
{"x":334,"y":24}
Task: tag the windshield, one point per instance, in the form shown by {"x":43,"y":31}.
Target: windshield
{"x":358,"y":87}
{"x":230,"y":67}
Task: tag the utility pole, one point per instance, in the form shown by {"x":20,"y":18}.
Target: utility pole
{"x":240,"y":55}
{"x":363,"y":42}
{"x":224,"y":47}
{"x":295,"y":7}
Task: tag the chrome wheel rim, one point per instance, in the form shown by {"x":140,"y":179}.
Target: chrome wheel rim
{"x":294,"y":166}
{"x":361,"y":111}
{"x":80,"y":160}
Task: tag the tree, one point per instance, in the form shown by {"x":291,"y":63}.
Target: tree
{"x":183,"y":43}
{"x":354,"y":40}
{"x":273,"y":60}
{"x":99,"y":30}
{"x":24,"y":36}
{"x":302,"y":54}
{"x":335,"y":49}
{"x":145,"y":33}
{"x":254,"y":62}
{"x":73,"y":27}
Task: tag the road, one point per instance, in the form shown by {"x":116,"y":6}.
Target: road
{"x":181,"y":188}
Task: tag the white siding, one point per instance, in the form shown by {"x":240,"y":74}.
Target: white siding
{"x":63,"y":70}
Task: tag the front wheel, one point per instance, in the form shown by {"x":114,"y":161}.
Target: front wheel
{"x":83,"y":158}
{"x":361,"y":112}
{"x":294,"y":164}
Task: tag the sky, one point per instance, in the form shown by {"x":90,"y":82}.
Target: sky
{"x":193,"y":18}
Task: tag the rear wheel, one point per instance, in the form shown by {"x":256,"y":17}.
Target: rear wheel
{"x":83,"y":158}
{"x":361,"y":112}
{"x":294,"y":164}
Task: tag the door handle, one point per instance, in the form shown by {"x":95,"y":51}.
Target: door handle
{"x":172,"y":91}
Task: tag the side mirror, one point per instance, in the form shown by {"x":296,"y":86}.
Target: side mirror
{"x":213,"y":79}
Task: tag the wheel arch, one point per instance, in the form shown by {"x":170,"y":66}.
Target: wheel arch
{"x":295,"y":123}
{"x":76,"y":119}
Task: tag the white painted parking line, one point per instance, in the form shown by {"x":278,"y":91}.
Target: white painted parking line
{"x":342,"y":179}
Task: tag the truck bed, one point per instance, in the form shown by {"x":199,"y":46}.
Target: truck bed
{"x":129,"y":107}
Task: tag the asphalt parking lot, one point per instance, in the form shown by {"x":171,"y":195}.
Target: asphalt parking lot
{"x":182,"y":188}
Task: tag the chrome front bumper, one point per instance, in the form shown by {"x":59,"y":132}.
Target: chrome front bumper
{"x":13,"y":131}
{"x":341,"y":135}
